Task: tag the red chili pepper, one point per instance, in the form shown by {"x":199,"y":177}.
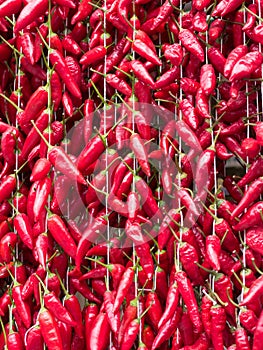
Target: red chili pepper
{"x":95,"y":54}
{"x":49,"y":330}
{"x":187,"y":293}
{"x":250,"y":147}
{"x":189,"y":114}
{"x":29,"y":13}
{"x":171,"y":304}
{"x":216,"y":58}
{"x":61,"y":161}
{"x":190,"y":42}
{"x":258,"y":333}
{"x":61,"y":235}
{"x":90,"y":153}
{"x":251,"y":19}
{"x":125,"y":282}
{"x":163,"y":14}
{"x":141,"y":73}
{"x":100,"y":332}
{"x":145,"y":51}
{"x":166,"y":331}
{"x":246,"y":65}
{"x":136,"y":144}
{"x":234,"y":56}
{"x":24,"y":229}
{"x":42,"y":192}
{"x":255,"y":171}
{"x":231,"y":6}
{"x":251,"y":218}
{"x":54,"y":305}
{"x":213,"y":250}
{"x":58,"y":61}
{"x":119,"y":84}
{"x":218,"y":319}
{"x":248,"y":319}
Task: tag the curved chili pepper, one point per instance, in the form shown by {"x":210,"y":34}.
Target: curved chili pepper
{"x":216,"y":58}
{"x":54,"y":305}
{"x":119,"y":84}
{"x":61,"y":235}
{"x":61,"y":161}
{"x":187,"y":293}
{"x":255,"y":171}
{"x":251,"y":218}
{"x":125,"y":282}
{"x":59,"y":63}
{"x":145,"y":51}
{"x":166,"y":331}
{"x":99,"y":335}
{"x":95,"y":54}
{"x":49,"y":330}
{"x":190,"y":42}
{"x":29,"y":13}
{"x":171,"y":304}
{"x":141,"y":73}
{"x":24,"y":229}
{"x":246,"y":65}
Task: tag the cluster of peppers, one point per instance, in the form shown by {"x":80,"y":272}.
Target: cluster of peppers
{"x":121,"y":224}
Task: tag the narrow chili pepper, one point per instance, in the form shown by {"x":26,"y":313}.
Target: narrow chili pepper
{"x":96,"y":227}
{"x":163,"y":14}
{"x":125,"y":283}
{"x":187,"y":293}
{"x":61,"y":235}
{"x":189,"y":114}
{"x":67,"y":104}
{"x":40,"y":170}
{"x":119,"y":84}
{"x":90,"y":312}
{"x":14,"y":341}
{"x":218,"y":319}
{"x":7,"y":245}
{"x":213,"y":250}
{"x":95,"y":54}
{"x":233,"y":57}
{"x":231,"y":6}
{"x":251,"y":19}
{"x":207,"y":79}
{"x":166,"y":331}
{"x":251,"y":218}
{"x":250,"y":195}
{"x":113,"y":318}
{"x":34,"y":339}
{"x":61,"y":161}
{"x":254,"y":171}
{"x":136,"y":144}
{"x":42,"y":192}
{"x":37,"y":102}
{"x":54,"y":305}
{"x":49,"y":330}
{"x":141,"y":73}
{"x":189,"y":257}
{"x":258,"y":333}
{"x":24,"y":229}
{"x":83,"y":11}
{"x":99,"y":335}
{"x":29,"y":13}
{"x":191,"y":43}
{"x":171,"y":304}
{"x":90,"y":153}
{"x":145,"y":51}
{"x":248,"y":319}
{"x":246,"y":65}
{"x":58,"y":61}
{"x":149,"y":203}
{"x":217,"y":59}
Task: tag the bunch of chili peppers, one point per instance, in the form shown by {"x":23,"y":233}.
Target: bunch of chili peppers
{"x":131,"y":175}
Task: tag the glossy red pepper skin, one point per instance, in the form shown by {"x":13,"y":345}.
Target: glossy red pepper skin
{"x":187,"y":293}
{"x":58,"y":61}
{"x":61,"y":235}
{"x":49,"y":330}
{"x":99,"y":335}
{"x":258,"y":333}
{"x":24,"y":229}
